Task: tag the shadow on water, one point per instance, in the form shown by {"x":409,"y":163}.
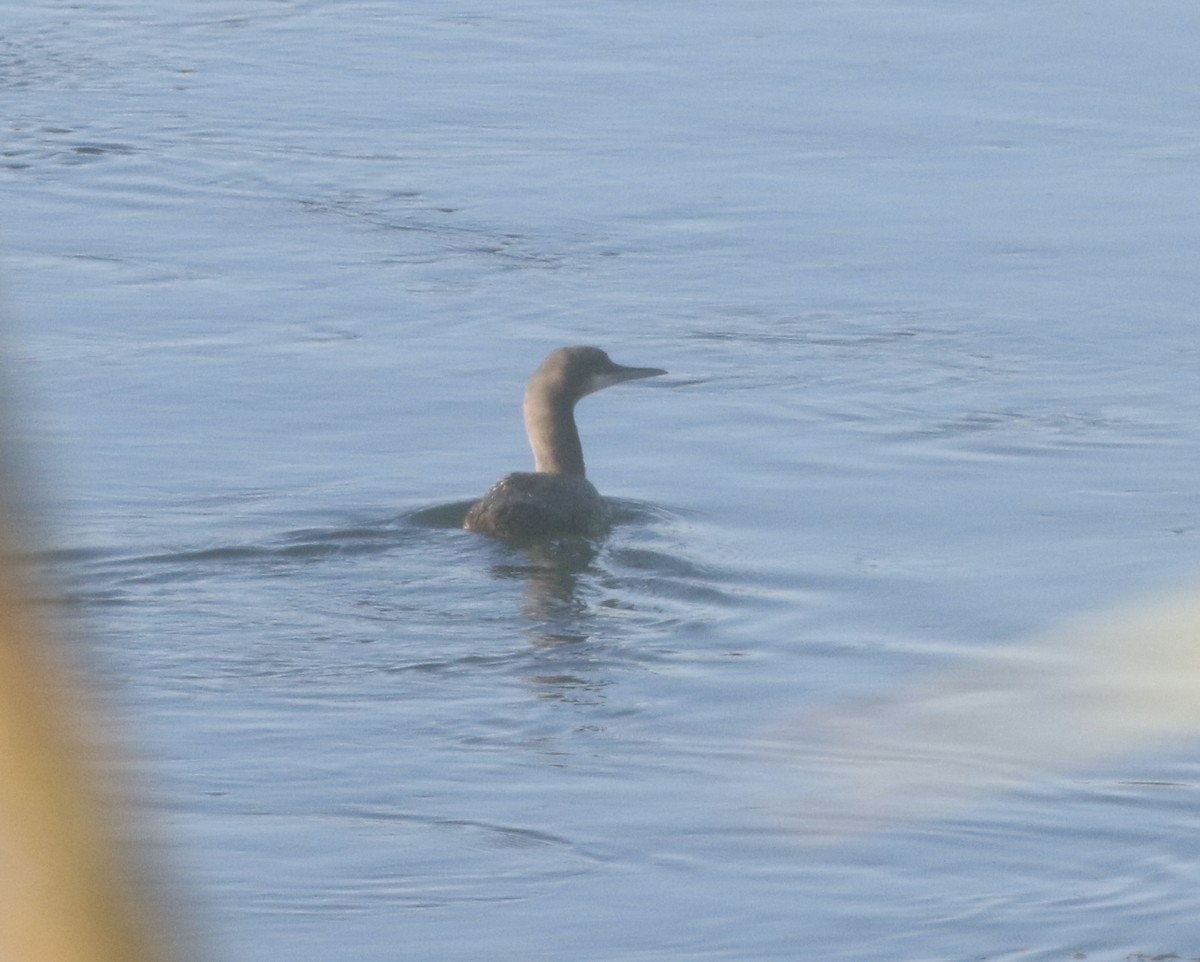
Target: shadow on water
{"x":416,"y":593}
{"x":450,"y":515}
{"x":116,"y":566}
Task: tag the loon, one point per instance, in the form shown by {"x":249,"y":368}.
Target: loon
{"x":556,"y":498}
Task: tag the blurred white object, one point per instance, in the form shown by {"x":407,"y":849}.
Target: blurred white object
{"x":1099,"y":686}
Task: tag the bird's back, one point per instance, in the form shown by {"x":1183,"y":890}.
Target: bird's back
{"x":539,"y":505}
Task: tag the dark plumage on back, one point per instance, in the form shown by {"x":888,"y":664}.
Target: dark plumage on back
{"x":531,"y":505}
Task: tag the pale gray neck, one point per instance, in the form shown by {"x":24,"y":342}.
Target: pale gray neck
{"x":550,"y":424}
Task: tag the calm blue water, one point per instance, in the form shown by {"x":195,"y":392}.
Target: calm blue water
{"x":924,"y":275}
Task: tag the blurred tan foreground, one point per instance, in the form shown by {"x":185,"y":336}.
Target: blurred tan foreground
{"x":68,"y":889}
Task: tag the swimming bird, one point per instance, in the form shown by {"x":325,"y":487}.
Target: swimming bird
{"x":556,"y":498}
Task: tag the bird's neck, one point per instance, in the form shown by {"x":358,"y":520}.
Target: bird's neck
{"x":550,"y":424}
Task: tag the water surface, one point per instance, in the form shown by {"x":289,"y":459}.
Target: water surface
{"x":923,"y":275}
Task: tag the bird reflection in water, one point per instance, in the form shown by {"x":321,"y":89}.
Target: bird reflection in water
{"x":553,"y":603}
